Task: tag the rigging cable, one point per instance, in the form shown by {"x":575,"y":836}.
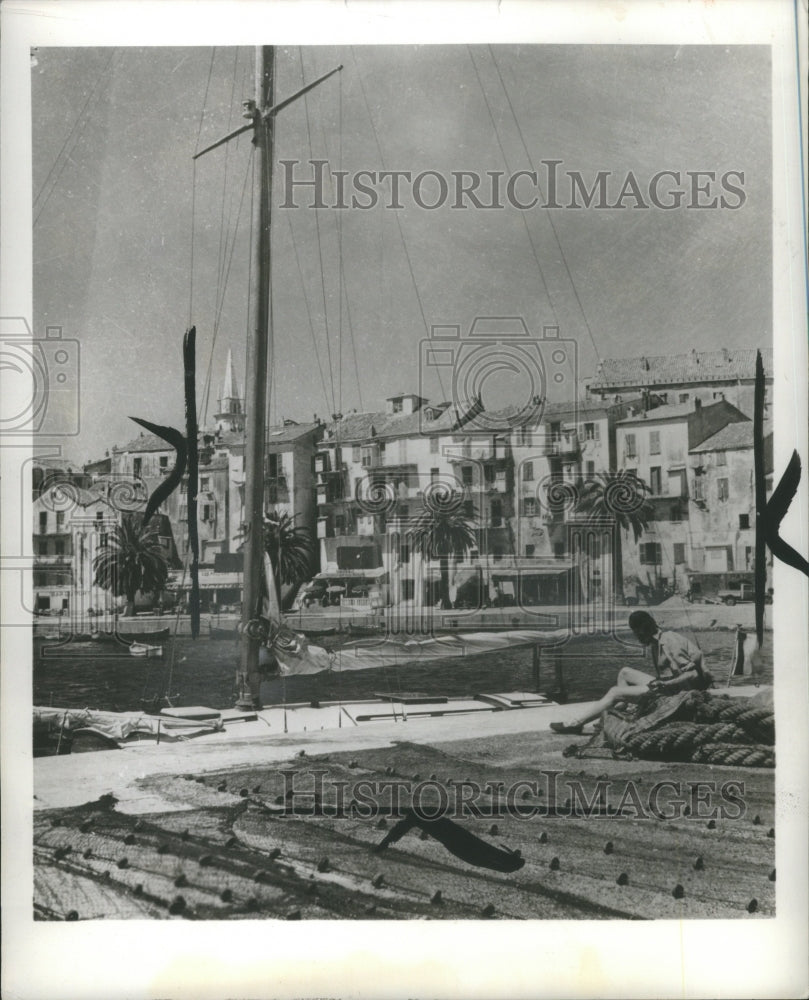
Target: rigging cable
{"x":308,"y":310}
{"x":319,"y":242}
{"x":549,"y":216}
{"x":64,"y":155}
{"x":395,"y":214}
{"x":220,"y":305}
{"x":548,"y":295}
{"x":194,"y":190}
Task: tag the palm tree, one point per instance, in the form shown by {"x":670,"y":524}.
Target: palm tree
{"x":289,"y":547}
{"x":621,"y":498}
{"x":132,"y":560}
{"x":442,"y":531}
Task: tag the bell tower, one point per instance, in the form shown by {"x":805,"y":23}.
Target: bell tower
{"x":231,"y":404}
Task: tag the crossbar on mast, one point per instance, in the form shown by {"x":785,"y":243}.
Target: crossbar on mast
{"x":269,"y":113}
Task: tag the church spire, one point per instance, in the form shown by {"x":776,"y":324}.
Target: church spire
{"x":231,"y":404}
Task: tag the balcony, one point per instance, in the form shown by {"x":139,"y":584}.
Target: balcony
{"x":566,"y":443}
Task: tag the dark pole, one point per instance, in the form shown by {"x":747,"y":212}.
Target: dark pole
{"x":248,"y":679}
{"x":760,"y":578}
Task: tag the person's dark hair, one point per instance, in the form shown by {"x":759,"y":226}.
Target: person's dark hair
{"x":642,"y":621}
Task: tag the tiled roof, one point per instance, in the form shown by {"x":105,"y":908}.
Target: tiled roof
{"x":731,"y":437}
{"x":673,"y":369}
{"x":357,"y":427}
{"x":284,"y":433}
{"x":672,"y":411}
{"x":146,"y":442}
{"x":278,"y":433}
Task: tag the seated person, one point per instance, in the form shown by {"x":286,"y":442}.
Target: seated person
{"x":672,"y":654}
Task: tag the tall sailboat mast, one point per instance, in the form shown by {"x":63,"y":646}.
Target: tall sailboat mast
{"x":258,"y":350}
{"x":261,"y":112}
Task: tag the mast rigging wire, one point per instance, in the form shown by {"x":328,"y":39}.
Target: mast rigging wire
{"x":548,"y":295}
{"x":319,"y":242}
{"x":550,"y":217}
{"x":395,"y":214}
{"x":64,"y":155}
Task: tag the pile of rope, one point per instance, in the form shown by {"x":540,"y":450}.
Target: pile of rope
{"x":691,"y":726}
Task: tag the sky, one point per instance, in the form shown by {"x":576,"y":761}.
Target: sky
{"x":120,"y":212}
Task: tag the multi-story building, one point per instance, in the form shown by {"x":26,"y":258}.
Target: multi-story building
{"x":723,"y":509}
{"x":656,"y":446}
{"x":377,"y":471}
{"x":683,"y":378}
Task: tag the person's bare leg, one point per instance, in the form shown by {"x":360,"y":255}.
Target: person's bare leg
{"x":632,"y":684}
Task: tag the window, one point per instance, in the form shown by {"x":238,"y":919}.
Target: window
{"x":589,"y":469}
{"x":683,"y":397}
{"x":59,"y":548}
{"x":721,"y":458}
{"x":43,"y":522}
{"x":137,"y":466}
{"x":698,"y":492}
{"x":650,"y":554}
{"x":408,"y":589}
{"x":99,"y":515}
{"x":466,"y":475}
{"x":339,"y":524}
{"x":355,"y":453}
{"x":655,"y":480}
{"x":206,"y":512}
{"x":434,"y":474}
{"x":102,"y":540}
{"x":205,"y":481}
{"x":60,"y":520}
{"x":468,"y":510}
{"x":367,"y":457}
{"x":559,"y":550}
{"x":744,"y":521}
{"x":528,"y":472}
{"x":404,"y":553}
{"x":433,"y":445}
{"x":630,"y":446}
{"x":676,"y":513}
{"x":523,"y":436}
{"x":397,"y":405}
{"x":42,"y":547}
{"x":654,"y":442}
{"x":530,"y":549}
{"x":496,"y":513}
{"x":722,"y":489}
{"x":589,"y":432}
{"x":529,"y":506}
{"x":163,"y":462}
